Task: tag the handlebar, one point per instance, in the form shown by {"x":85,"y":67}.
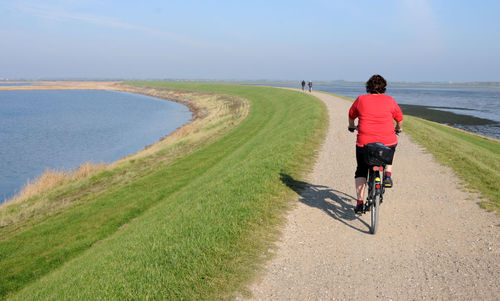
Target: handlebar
{"x":355,"y":128}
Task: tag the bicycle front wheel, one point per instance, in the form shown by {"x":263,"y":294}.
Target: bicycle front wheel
{"x":374,"y":212}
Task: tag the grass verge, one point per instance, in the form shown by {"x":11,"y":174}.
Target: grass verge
{"x":475,"y":159}
{"x":193,"y":228}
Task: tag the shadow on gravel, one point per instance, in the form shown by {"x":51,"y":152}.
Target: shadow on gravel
{"x":336,"y":204}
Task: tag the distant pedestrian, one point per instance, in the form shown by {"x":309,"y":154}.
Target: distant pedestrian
{"x":310,"y":85}
{"x":303,"y":85}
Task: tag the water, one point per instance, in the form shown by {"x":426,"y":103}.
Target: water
{"x":472,"y":108}
{"x":65,"y":128}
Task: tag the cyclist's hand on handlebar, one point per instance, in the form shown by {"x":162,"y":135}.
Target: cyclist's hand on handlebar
{"x":398,"y":130}
{"x":352,"y":129}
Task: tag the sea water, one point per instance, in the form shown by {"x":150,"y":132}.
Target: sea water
{"x":65,"y":128}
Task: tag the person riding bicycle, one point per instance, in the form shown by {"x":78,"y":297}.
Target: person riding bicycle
{"x":310,"y":85}
{"x":376,"y":113}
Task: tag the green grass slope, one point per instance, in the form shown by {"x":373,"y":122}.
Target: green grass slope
{"x":196,"y":229}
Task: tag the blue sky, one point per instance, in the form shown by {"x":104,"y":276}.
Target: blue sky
{"x":404,"y":40}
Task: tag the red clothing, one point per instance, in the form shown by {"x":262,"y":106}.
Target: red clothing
{"x":376,"y":113}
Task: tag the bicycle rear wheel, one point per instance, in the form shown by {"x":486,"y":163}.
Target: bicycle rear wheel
{"x":374,"y":213}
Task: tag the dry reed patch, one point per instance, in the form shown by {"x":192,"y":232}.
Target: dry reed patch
{"x":20,"y":207}
{"x":52,"y":178}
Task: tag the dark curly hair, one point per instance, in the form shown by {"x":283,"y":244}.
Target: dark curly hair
{"x":376,"y":85}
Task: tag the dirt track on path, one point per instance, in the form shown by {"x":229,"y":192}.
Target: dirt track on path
{"x":433,"y":242}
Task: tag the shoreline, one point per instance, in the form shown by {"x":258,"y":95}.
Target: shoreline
{"x":463,"y":122}
{"x":108,"y":86}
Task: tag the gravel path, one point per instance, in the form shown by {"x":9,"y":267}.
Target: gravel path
{"x":433,"y":242}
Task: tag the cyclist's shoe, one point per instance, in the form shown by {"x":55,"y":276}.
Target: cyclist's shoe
{"x":387,"y":181}
{"x":359,"y":208}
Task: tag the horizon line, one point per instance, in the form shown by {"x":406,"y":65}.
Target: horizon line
{"x":32,"y":79}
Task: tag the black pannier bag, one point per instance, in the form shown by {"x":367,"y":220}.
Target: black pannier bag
{"x":378,"y":154}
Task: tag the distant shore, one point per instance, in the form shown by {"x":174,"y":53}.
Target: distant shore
{"x":63,"y":85}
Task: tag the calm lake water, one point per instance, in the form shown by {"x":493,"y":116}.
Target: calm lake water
{"x":475,"y":109}
{"x":65,"y":128}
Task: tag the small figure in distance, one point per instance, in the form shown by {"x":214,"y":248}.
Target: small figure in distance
{"x":310,"y":85}
{"x":376,"y":114}
{"x":303,"y":85}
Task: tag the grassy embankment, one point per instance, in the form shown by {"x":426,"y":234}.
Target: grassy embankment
{"x":192,"y":228}
{"x":474,"y":158}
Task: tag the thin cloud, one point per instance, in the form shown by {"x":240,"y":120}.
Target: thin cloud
{"x":57,"y":14}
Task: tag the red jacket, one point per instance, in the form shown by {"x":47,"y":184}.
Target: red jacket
{"x":376,"y":113}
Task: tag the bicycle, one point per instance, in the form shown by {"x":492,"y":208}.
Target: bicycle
{"x":377,"y":156}
{"x":376,"y":188}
